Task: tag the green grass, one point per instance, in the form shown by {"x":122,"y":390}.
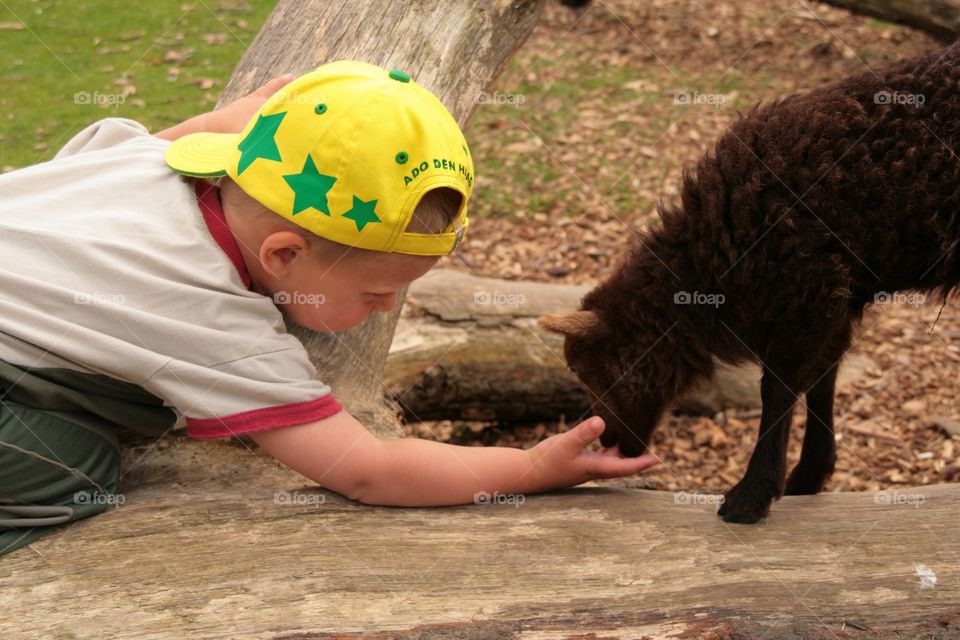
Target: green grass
{"x":562,"y":94}
{"x":70,"y":63}
{"x":560,"y":88}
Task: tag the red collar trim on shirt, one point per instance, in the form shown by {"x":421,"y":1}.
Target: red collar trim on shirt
{"x":208,"y":199}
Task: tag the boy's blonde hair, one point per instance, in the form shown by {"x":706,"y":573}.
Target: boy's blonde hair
{"x":433,"y":214}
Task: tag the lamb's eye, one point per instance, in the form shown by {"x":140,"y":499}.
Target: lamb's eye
{"x":573,"y":369}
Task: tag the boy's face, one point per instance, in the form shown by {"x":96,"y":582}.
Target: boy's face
{"x":319,"y":294}
{"x":332,"y":297}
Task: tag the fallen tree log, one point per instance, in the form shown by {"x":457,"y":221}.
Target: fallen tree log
{"x":469,"y":348}
{"x":940,"y":18}
{"x":238,"y":548}
{"x":453,"y":48}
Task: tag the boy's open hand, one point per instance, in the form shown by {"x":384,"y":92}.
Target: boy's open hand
{"x":562,"y":460}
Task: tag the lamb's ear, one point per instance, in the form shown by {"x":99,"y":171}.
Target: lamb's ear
{"x":574,"y":323}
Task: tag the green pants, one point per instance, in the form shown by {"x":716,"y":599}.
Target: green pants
{"x":55,"y":467}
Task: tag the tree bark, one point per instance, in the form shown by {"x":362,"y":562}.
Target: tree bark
{"x":940,"y":18}
{"x":454,"y":48}
{"x":468,"y":347}
{"x":238,"y":548}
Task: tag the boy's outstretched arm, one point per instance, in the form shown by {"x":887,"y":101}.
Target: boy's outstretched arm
{"x":340,"y":454}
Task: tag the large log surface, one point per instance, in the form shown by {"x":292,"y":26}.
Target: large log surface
{"x":199,"y":552}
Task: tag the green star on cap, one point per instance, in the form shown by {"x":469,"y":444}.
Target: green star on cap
{"x":260,"y":142}
{"x":362,"y":212}
{"x":310,"y":188}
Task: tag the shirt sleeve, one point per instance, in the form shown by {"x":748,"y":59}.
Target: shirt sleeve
{"x":101,"y":135}
{"x":257,"y":393}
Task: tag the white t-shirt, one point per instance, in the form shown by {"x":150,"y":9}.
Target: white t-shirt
{"x":111,"y":264}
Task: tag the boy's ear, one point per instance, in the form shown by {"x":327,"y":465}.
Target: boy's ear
{"x":279,"y":249}
{"x":582,"y":324}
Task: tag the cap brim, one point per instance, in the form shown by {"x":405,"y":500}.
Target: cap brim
{"x":201,"y":154}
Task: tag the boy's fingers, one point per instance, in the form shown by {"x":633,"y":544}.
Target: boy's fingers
{"x":586,"y":432}
{"x":607,"y":467}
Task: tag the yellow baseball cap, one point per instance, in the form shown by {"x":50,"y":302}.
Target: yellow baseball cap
{"x":346,"y":151}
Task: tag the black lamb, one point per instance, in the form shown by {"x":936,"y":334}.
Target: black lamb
{"x":808,"y":209}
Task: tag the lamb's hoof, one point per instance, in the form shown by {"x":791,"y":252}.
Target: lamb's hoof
{"x":744,"y":505}
{"x":803,"y":483}
{"x":802,"y":487}
{"x":740,"y":518}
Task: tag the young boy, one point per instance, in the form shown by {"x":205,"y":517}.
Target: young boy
{"x":142,"y":283}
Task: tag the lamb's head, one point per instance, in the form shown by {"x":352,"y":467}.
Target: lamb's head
{"x":618,"y":372}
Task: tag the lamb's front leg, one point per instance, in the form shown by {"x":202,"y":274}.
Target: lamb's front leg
{"x":819,"y":455}
{"x":750,"y":499}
